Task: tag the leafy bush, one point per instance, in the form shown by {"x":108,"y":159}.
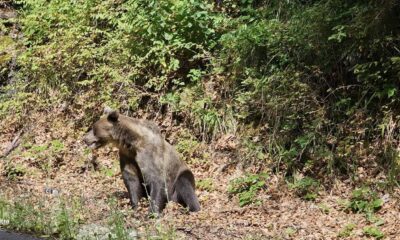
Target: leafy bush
{"x":174,"y":36}
{"x":373,"y":232}
{"x":306,"y":188}
{"x":364,"y":200}
{"x":247,"y":187}
{"x":313,"y":75}
{"x":318,"y":79}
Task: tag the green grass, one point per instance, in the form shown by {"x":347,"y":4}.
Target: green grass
{"x":33,"y":217}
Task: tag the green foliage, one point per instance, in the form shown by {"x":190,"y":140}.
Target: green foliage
{"x":282,"y":64}
{"x":117,"y":223}
{"x":66,"y":224}
{"x":247,"y":187}
{"x":373,"y":232}
{"x":173,"y":35}
{"x":253,"y":151}
{"x":13,"y":170}
{"x":319,"y":79}
{"x":346,"y":231}
{"x":290,"y":231}
{"x":364,"y":200}
{"x":27,"y":216}
{"x":117,"y":227}
{"x":6,"y":47}
{"x":38,"y":148}
{"x":205,"y":184}
{"x":187,"y":146}
{"x":324,"y":208}
{"x":110,"y":171}
{"x":306,"y":188}
{"x":57,"y":145}
{"x":46,"y":156}
{"x":14,"y":104}
{"x":162,"y":232}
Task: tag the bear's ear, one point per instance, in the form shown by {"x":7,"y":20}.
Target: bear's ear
{"x":113,"y":116}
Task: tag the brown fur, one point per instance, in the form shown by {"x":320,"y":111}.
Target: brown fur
{"x":150,"y":165}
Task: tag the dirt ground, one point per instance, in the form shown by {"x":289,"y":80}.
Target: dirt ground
{"x":281,"y":214}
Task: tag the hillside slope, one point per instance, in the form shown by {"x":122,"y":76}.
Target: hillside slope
{"x":287,"y":112}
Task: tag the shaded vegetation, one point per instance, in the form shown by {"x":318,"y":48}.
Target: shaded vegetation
{"x":306,"y":188}
{"x":306,"y":86}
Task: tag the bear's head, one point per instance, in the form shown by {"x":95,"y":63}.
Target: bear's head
{"x":102,"y":131}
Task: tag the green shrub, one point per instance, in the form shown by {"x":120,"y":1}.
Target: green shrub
{"x":373,"y":232}
{"x":174,"y":37}
{"x":306,"y":188}
{"x":318,"y":79}
{"x":346,"y":231}
{"x":247,"y":187}
{"x":364,"y":200}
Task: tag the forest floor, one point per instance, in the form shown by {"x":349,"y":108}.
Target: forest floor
{"x":51,"y":165}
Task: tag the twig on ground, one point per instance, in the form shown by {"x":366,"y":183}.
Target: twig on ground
{"x":14,"y":144}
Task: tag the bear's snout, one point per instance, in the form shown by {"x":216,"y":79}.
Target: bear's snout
{"x":90,"y":140}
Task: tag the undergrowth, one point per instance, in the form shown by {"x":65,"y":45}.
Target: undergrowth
{"x":248,"y":187}
{"x":66,"y":220}
{"x":318,"y":79}
{"x":306,"y":188}
{"x":26,"y":216}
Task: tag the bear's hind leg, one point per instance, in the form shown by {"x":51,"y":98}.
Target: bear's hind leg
{"x":185,"y":193}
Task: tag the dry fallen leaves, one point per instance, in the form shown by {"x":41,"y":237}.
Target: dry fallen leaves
{"x":280,"y":215}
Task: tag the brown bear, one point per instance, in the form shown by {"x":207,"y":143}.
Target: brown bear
{"x":150,"y":165}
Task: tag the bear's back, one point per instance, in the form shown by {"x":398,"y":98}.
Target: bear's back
{"x":150,"y":125}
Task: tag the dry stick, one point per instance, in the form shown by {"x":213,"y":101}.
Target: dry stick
{"x":14,"y":144}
